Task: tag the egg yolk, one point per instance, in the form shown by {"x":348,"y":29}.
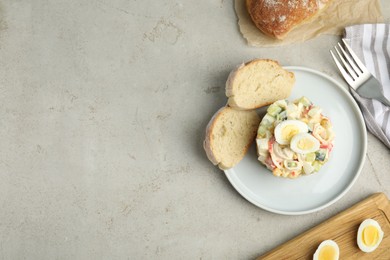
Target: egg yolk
{"x":327,"y":253}
{"x":370,"y":235}
{"x":305,"y":144}
{"x":289,"y":131}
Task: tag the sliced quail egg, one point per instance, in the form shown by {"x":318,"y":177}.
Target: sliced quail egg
{"x":289,"y":128}
{"x":304,"y":143}
{"x":369,"y":235}
{"x":327,"y":250}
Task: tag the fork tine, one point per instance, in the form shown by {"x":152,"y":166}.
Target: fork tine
{"x":355,"y":57}
{"x":346,"y":65}
{"x":346,"y":76}
{"x":350,"y":61}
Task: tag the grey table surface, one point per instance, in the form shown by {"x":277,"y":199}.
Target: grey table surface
{"x":103,"y":107}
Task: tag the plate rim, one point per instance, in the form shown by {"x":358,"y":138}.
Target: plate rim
{"x":362,"y":158}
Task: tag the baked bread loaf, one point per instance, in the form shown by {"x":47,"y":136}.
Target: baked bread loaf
{"x":258,"y":83}
{"x":229,"y":135}
{"x":277,"y":17}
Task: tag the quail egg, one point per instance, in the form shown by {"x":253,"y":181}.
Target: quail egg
{"x":327,"y":250}
{"x":369,"y":235}
{"x":289,"y":128}
{"x":304,"y":143}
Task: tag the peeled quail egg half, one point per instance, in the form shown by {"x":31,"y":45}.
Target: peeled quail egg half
{"x":327,"y":250}
{"x":285,"y":131}
{"x":304,"y":143}
{"x":369,"y":235}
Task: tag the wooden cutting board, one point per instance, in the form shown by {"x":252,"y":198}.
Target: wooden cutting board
{"x":341,"y":228}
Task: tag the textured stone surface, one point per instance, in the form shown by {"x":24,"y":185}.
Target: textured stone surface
{"x":103,"y":106}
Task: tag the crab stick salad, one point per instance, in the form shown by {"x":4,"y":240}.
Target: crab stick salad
{"x":294,"y":138}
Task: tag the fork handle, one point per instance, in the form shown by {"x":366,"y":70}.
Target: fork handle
{"x":372,"y":89}
{"x":384,"y":100}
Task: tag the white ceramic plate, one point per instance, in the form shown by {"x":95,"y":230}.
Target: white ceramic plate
{"x":311,"y":193}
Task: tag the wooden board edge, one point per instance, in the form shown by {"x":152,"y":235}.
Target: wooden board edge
{"x":384,"y":205}
{"x":379,"y":199}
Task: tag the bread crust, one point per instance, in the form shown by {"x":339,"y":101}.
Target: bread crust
{"x":276,"y":18}
{"x":207,"y":141}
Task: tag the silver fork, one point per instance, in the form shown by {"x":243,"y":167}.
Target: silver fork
{"x":357,"y":75}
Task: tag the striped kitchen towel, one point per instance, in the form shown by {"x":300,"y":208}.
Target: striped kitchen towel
{"x":371,"y":43}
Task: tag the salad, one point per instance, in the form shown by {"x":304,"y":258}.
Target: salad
{"x":294,"y":138}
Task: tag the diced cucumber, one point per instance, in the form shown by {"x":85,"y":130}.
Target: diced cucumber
{"x":282,"y":116}
{"x":282,"y":103}
{"x":317,"y":166}
{"x":268,"y":119}
{"x":304,"y":101}
{"x":321,"y":155}
{"x":291,"y":164}
{"x":310,"y":157}
{"x":274,"y":109}
{"x":262,"y":131}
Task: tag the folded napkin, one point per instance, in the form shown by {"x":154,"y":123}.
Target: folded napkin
{"x":371,"y":44}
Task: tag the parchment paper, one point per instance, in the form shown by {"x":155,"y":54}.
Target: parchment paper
{"x":333,"y":20}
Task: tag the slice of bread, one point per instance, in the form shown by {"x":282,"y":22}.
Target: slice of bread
{"x":229,"y":135}
{"x":258,"y":83}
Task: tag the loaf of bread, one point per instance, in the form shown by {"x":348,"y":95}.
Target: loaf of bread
{"x":277,"y":17}
{"x":229,"y":135}
{"x":258,"y":83}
